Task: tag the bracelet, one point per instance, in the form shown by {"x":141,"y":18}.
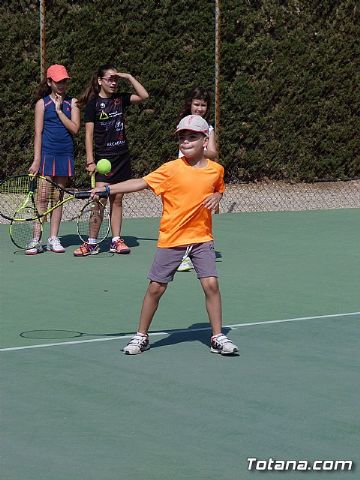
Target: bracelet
{"x":107,"y":190}
{"x":91,"y":163}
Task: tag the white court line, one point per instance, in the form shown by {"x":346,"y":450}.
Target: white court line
{"x":185,"y":330}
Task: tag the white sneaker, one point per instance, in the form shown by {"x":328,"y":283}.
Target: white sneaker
{"x":34,"y":248}
{"x":138,"y":344}
{"x":223,"y":345}
{"x":54,"y":245}
{"x":186,"y":265}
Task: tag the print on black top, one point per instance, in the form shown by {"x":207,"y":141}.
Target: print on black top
{"x":107,"y":114}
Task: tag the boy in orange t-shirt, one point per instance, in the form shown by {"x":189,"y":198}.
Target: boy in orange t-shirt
{"x":191,"y":188}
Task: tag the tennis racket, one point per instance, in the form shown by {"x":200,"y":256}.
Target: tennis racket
{"x":26,"y":200}
{"x":17,"y":198}
{"x":94,"y":219}
{"x":22,"y":232}
{"x":31,"y":197}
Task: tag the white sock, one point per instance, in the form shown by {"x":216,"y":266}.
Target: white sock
{"x":92,"y":241}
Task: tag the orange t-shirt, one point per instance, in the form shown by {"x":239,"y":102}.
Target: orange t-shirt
{"x":183,"y":189}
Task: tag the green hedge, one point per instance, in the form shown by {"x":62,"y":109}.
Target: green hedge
{"x":289,"y":78}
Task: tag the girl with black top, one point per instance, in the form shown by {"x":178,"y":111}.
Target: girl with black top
{"x":105,"y":137}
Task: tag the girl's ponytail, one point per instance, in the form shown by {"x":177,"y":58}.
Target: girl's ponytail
{"x":42,"y":90}
{"x":93,"y":88}
{"x":90,"y":92}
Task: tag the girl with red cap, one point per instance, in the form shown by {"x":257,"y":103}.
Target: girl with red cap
{"x":57,"y":120}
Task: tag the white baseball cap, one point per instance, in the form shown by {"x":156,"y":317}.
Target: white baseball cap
{"x":194,"y":123}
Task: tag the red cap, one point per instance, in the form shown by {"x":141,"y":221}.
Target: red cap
{"x":57,"y":73}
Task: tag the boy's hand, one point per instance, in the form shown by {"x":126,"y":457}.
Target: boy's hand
{"x":96,"y":190}
{"x":212,"y":201}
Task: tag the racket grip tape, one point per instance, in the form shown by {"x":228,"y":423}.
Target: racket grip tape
{"x":83,"y":195}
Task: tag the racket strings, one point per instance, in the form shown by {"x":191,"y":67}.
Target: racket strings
{"x":94,"y":221}
{"x":21,"y":233}
{"x":16,"y":185}
{"x":48,"y":196}
{"x":14,"y":194}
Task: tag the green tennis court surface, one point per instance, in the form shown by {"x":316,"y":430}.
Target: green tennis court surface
{"x":74,"y":407}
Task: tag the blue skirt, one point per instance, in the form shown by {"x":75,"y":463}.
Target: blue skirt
{"x":55,"y":165}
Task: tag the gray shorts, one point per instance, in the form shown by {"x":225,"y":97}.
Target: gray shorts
{"x":167,"y":260}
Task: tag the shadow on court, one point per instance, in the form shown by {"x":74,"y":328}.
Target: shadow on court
{"x":201,"y":333}
{"x":73,"y":240}
{"x":58,"y":334}
{"x":197,"y":332}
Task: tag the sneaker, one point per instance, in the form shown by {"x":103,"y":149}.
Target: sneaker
{"x":34,"y":248}
{"x":138,"y":344}
{"x":86,"y":249}
{"x":119,"y":246}
{"x":54,"y":245}
{"x":221,"y":344}
{"x":186,"y":265}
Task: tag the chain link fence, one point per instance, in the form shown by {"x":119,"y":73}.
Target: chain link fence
{"x":247,"y":197}
{"x":281,"y":196}
{"x":261,"y":197}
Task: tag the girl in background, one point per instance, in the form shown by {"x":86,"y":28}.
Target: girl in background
{"x":57,"y":120}
{"x":197,"y":102}
{"x":105,"y":138}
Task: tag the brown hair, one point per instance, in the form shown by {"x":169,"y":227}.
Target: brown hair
{"x":93,"y":89}
{"x":198,"y":93}
{"x":42,"y":90}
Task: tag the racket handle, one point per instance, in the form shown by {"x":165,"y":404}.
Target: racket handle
{"x":92,"y":179}
{"x":83,"y":195}
{"x":103,"y":194}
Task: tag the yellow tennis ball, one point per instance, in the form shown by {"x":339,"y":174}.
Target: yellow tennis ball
{"x":103,"y":166}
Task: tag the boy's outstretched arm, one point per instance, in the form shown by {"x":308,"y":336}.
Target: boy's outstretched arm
{"x":133,"y":185}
